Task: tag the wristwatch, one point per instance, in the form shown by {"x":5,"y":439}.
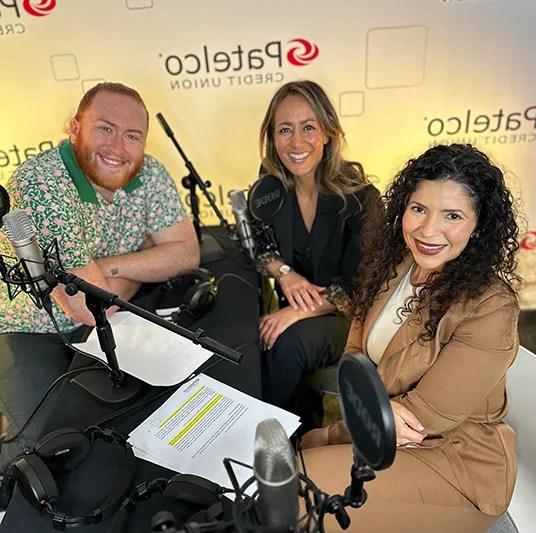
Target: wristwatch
{"x":283,"y":270}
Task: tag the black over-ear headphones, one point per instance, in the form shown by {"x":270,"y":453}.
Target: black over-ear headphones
{"x":194,"y":292}
{"x":63,"y":451}
{"x":200,"y":296}
{"x":188,"y":488}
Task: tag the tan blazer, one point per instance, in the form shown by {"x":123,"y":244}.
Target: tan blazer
{"x":455,"y":386}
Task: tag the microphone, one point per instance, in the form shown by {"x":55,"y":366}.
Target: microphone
{"x":21,"y":235}
{"x":274,"y":466}
{"x":4,"y":203}
{"x":244,"y":229}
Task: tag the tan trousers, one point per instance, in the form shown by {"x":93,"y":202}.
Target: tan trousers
{"x":406,"y":497}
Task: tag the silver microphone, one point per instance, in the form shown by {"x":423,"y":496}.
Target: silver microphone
{"x":21,"y":235}
{"x":274,"y":466}
{"x":244,"y":230}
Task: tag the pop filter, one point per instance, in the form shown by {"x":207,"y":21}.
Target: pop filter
{"x":4,"y":204}
{"x":265,"y":198}
{"x":366,"y":410}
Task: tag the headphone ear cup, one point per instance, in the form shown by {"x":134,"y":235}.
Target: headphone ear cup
{"x":35,"y":480}
{"x":63,"y":450}
{"x":193,"y":489}
{"x":200,"y":297}
{"x":201,"y":274}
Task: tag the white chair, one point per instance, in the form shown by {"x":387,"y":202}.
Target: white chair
{"x":521,"y":385}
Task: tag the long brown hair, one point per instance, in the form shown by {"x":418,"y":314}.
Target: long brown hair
{"x":334,"y":175}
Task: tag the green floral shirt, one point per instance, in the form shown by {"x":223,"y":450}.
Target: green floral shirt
{"x":63,"y":204}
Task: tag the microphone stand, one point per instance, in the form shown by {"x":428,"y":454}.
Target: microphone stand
{"x":98,"y":300}
{"x":211,"y":250}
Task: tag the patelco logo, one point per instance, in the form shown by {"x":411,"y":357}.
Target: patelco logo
{"x":206,"y":66}
{"x":302,"y":54}
{"x":39,"y":8}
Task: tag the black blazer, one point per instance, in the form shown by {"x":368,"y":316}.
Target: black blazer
{"x":336,"y":233}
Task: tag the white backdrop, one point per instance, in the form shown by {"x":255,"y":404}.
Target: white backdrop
{"x":403,"y":75}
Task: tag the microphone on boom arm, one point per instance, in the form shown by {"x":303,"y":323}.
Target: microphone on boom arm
{"x":253,"y":216}
{"x":38,"y":271}
{"x":273,"y":508}
{"x":244,"y":229}
{"x":29,"y":274}
{"x":265,"y":199}
{"x":276,"y":472}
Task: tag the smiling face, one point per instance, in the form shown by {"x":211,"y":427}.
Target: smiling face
{"x":299,"y":138}
{"x":109,"y":139}
{"x":437,"y":224}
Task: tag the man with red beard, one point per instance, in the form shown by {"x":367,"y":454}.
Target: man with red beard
{"x":119,"y":222}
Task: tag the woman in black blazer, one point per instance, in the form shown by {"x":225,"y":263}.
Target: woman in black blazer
{"x":322,"y":230}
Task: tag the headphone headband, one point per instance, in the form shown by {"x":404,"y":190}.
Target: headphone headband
{"x":187,"y":488}
{"x":37,"y":482}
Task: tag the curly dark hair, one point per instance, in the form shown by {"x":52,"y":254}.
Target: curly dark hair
{"x":488,"y":257}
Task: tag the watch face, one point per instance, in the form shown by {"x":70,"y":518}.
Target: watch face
{"x":284,"y":269}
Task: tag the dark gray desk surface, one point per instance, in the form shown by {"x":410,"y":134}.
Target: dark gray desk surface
{"x":233,"y":321}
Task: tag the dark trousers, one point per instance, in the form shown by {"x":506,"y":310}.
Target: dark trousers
{"x":302,"y":349}
{"x":29,"y":363}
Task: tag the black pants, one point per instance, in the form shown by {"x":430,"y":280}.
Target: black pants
{"x":29,"y":363}
{"x":303,"y":348}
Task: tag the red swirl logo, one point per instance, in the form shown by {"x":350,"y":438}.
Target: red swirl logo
{"x":39,"y":8}
{"x":303,"y":53}
{"x":528,"y":242}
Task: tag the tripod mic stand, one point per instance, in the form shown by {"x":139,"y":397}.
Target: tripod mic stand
{"x":211,"y":250}
{"x":123,"y":387}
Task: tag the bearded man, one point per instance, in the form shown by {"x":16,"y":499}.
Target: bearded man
{"x":119,"y":222}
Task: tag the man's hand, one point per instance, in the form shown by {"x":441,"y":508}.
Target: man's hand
{"x":75,"y":306}
{"x":408,"y":428}
{"x":272,"y":325}
{"x":301,"y":293}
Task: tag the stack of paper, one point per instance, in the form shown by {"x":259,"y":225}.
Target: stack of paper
{"x":201,"y":424}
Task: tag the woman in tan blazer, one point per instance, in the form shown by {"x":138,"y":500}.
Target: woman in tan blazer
{"x":437,"y":313}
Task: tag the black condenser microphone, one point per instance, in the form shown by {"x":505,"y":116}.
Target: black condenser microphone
{"x":274,"y":465}
{"x":20,"y":232}
{"x":244,"y":230}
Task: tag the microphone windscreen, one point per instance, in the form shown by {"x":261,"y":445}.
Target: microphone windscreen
{"x":366,"y":410}
{"x":265,"y":198}
{"x":276,"y":472}
{"x":18,"y":226}
{"x":275,"y":461}
{"x":238,"y":200}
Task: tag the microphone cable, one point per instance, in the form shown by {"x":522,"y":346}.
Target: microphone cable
{"x":59,"y":379}
{"x":236,"y":276}
{"x":70,"y":373}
